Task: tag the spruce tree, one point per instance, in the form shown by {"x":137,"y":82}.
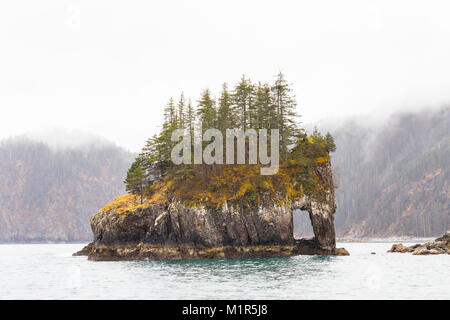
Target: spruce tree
{"x":285,"y":105}
{"x":181,"y":111}
{"x":225,"y":119}
{"x":206,"y":110}
{"x":163,"y":142}
{"x":331,"y":146}
{"x":152,"y":157}
{"x":136,"y":181}
{"x":190,"y":118}
{"x":170,"y":113}
{"x":243,"y":97}
{"x":265,"y":117}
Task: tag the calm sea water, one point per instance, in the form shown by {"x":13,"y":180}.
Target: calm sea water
{"x":48,"y":271}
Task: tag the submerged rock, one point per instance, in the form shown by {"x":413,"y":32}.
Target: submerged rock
{"x":439,"y":246}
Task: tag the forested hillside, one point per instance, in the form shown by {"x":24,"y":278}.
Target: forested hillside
{"x":394,"y":180}
{"x":49,"y":195}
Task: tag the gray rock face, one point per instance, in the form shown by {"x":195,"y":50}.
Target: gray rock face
{"x":176,"y":224}
{"x":175,"y":231}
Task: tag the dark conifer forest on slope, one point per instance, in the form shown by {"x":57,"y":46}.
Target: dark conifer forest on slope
{"x":394,"y":181}
{"x":49,"y":195}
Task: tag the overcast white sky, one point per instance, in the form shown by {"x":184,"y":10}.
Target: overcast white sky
{"x":107,"y":67}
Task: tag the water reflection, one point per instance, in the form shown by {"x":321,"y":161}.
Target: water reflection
{"x":273,"y":269}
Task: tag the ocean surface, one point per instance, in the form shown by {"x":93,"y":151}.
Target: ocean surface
{"x":48,"y":271}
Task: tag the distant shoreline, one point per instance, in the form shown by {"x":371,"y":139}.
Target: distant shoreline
{"x":46,"y":242}
{"x":344,"y":240}
{"x":387,"y":239}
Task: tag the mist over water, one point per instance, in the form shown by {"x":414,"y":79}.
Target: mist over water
{"x":86,"y":64}
{"x":48,"y":271}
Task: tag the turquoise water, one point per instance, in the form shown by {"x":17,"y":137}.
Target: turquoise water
{"x":48,"y":271}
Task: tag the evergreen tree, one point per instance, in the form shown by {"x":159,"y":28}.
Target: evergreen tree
{"x":243,"y":97}
{"x":152,"y":157}
{"x":206,"y":111}
{"x":265,"y":117}
{"x":190,"y":118}
{"x":285,"y":105}
{"x":163,"y":142}
{"x":225,"y":119}
{"x":331,"y":146}
{"x":170,"y":113}
{"x":181,"y":112}
{"x":136,"y":180}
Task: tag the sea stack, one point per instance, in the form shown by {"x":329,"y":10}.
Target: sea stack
{"x":164,"y":228}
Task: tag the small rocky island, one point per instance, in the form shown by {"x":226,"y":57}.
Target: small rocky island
{"x":163,"y":230}
{"x":440,"y":245}
{"x":205,"y":210}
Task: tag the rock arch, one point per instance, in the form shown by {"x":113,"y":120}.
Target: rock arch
{"x":322,"y":221}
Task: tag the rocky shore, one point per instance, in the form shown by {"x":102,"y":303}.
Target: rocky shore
{"x":440,"y":245}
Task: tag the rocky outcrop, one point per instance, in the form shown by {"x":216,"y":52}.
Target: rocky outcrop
{"x":85,"y":251}
{"x":171,"y":230}
{"x":176,"y":224}
{"x":174,"y":231}
{"x":439,"y":246}
{"x":402,"y":249}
